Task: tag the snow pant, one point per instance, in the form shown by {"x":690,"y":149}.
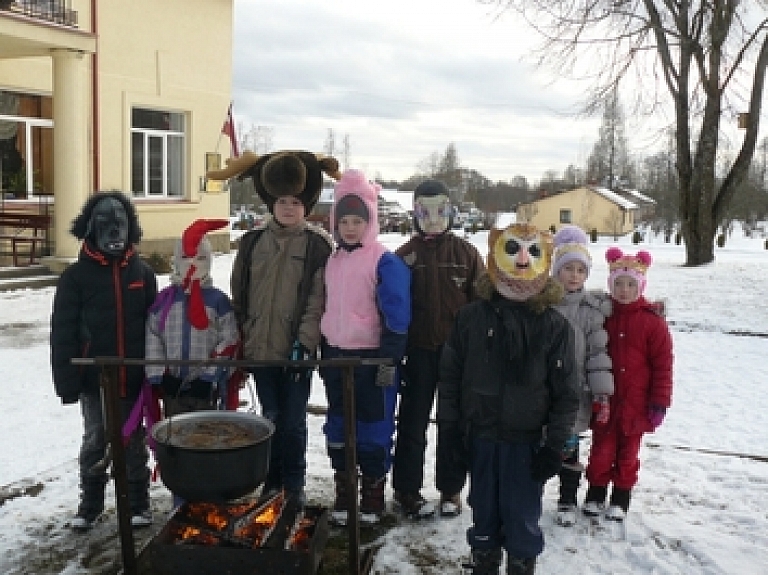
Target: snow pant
{"x":284,"y":397}
{"x":93,"y":480}
{"x":505,"y":499}
{"x":614,"y":457}
{"x":417,"y":395}
{"x":374,"y":414}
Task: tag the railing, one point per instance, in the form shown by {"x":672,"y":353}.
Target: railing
{"x":57,"y":11}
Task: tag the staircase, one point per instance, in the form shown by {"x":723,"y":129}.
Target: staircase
{"x":32,"y":277}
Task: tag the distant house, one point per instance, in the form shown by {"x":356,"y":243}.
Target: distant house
{"x":588,"y":207}
{"x":114,"y":95}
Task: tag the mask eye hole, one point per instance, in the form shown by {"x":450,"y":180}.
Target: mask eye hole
{"x":512,"y":247}
{"x":535,"y":250}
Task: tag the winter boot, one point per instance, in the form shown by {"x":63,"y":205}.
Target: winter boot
{"x":619,"y":504}
{"x":413,"y":505}
{"x":91,"y":505}
{"x":486,"y":561}
{"x":450,"y":505}
{"x":566,"y":504}
{"x":594,"y":504}
{"x":521,"y":566}
{"x":372,"y":499}
{"x":341,"y":503}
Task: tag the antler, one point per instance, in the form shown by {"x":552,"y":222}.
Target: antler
{"x":235,"y":167}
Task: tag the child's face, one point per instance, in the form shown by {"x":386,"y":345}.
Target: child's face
{"x":351,"y":229}
{"x":625,"y":289}
{"x":289,"y":210}
{"x":572,"y":276}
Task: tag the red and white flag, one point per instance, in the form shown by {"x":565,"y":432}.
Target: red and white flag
{"x":228,"y":129}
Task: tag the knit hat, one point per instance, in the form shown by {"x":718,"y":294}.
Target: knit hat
{"x":351,"y":205}
{"x":518,"y":260}
{"x":192,"y":267}
{"x":570,"y":245}
{"x":621,"y":264}
{"x":286,"y":173}
{"x":432,"y":211}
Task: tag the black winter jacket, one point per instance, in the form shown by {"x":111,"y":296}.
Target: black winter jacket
{"x":507,"y":370}
{"x":100,"y":309}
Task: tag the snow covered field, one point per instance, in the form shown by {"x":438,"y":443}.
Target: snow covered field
{"x":699,"y":507}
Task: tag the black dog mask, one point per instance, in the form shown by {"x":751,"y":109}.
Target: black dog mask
{"x":108,"y":227}
{"x":109,"y":221}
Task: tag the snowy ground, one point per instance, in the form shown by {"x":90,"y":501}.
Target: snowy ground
{"x":699,"y":507}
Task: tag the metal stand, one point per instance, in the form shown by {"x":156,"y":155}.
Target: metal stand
{"x":112,"y":416}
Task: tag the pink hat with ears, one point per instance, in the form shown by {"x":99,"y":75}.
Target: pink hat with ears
{"x":621,"y":264}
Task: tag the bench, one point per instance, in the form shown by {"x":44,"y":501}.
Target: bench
{"x":19,"y":229}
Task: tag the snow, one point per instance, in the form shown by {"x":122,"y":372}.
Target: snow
{"x":699,"y":506}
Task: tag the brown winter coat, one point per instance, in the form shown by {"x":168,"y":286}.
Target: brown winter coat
{"x":443,"y":275}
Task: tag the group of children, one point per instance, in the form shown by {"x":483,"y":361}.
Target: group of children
{"x":522,"y":358}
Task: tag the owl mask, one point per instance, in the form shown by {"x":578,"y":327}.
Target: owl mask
{"x":518,"y":260}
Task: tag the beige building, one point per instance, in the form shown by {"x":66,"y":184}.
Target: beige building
{"x":127,"y":95}
{"x":588,"y":207}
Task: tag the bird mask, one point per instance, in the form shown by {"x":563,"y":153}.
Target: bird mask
{"x":518,"y":260}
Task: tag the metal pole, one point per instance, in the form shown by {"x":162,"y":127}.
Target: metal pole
{"x":113,"y":419}
{"x":350,"y":443}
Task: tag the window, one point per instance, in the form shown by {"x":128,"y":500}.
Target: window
{"x":565,"y":216}
{"x":157,"y":154}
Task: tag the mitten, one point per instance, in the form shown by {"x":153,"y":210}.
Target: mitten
{"x":601,"y":409}
{"x":385,"y":375}
{"x":546,"y":463}
{"x":656,"y":415}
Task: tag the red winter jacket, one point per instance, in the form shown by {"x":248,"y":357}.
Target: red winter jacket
{"x":640,"y":347}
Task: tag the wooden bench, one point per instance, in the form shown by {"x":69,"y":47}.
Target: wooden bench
{"x":19,"y":229}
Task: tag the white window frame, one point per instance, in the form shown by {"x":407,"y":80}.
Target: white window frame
{"x":164,"y":135}
{"x":29,"y":166}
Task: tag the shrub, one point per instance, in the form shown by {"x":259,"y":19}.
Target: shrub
{"x":160,"y":263}
{"x":637,"y":237}
{"x":766,"y":244}
{"x":553,"y":229}
{"x":678,"y":239}
{"x":593,"y":235}
{"x":721,"y":240}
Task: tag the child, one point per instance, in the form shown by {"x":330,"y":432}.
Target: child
{"x":100,"y":309}
{"x":507,"y":383}
{"x":192,"y":319}
{"x":444,"y":269}
{"x":640,"y":347}
{"x":586,"y":312}
{"x":367,"y":312}
{"x":278,"y":296}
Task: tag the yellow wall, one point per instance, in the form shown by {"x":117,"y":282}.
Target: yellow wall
{"x":589,"y":210}
{"x":179,"y":59}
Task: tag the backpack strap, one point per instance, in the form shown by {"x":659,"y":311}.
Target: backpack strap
{"x":247,"y":243}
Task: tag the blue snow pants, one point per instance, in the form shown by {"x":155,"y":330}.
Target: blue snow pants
{"x":505,"y":500}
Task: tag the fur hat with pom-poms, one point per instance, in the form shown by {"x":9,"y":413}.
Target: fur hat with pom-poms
{"x":570,"y":245}
{"x":279,"y":174}
{"x":621,"y":264}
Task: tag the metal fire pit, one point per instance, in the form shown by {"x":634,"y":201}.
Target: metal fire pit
{"x":164,"y":554}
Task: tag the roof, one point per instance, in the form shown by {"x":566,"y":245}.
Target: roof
{"x":640,"y":196}
{"x":615,"y":198}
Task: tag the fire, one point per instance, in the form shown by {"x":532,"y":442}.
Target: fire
{"x":259,"y":526}
{"x":208,"y":514}
{"x":193,"y":535}
{"x":301,"y":538}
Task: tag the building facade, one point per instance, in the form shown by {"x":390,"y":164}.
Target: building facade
{"x":114,"y":95}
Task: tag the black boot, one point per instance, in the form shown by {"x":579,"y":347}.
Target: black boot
{"x":594,"y":504}
{"x":619,"y":505}
{"x":372,"y":499}
{"x":569,"y":485}
{"x":521,"y":566}
{"x":342,"y":501}
{"x":486,"y":561}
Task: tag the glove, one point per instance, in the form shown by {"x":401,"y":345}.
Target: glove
{"x":200,"y":389}
{"x":385,"y":375}
{"x":298,"y":353}
{"x":601,"y":409}
{"x":451,"y":437}
{"x":546,"y":463}
{"x":656,"y":415}
{"x":570,"y":447}
{"x":170,"y":385}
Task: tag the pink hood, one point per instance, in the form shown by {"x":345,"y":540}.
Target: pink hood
{"x":355,"y":182}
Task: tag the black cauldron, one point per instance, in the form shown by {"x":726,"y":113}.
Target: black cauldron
{"x":213,"y":456}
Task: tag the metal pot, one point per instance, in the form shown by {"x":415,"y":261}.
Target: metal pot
{"x":213,"y":455}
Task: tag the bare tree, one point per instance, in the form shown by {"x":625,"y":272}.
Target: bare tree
{"x":711,"y":57}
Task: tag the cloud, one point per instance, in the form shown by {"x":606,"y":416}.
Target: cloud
{"x":402,"y":80}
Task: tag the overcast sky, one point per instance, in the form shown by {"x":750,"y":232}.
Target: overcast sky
{"x":403,"y":79}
